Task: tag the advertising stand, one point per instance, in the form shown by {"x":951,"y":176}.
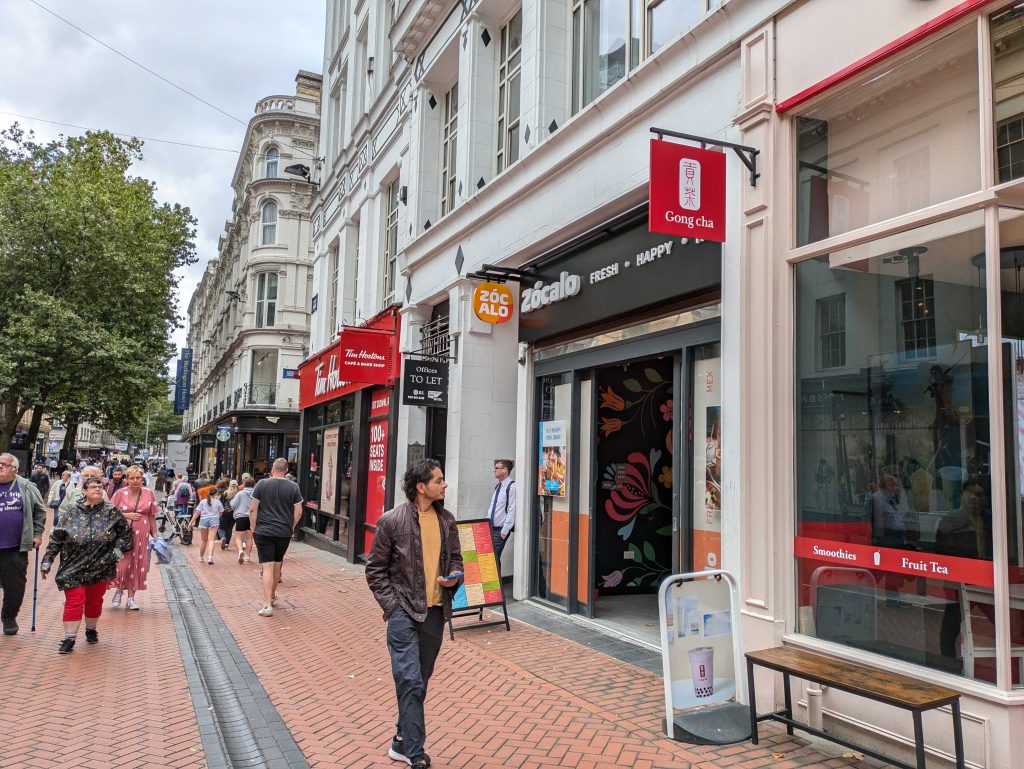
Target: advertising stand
{"x":701,"y":653}
{"x":481,"y":584}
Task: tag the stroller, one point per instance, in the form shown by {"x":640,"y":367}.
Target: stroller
{"x":171,"y":525}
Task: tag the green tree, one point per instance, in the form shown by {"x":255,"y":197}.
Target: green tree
{"x":87,"y":288}
{"x":162,"y":422}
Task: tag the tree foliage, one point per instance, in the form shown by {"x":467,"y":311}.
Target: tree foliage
{"x":162,"y":421}
{"x":87,"y":288}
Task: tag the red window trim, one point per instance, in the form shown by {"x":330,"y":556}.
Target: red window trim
{"x":915,"y":36}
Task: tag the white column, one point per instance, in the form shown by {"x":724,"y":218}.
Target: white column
{"x":477,"y":105}
{"x":545,"y":81}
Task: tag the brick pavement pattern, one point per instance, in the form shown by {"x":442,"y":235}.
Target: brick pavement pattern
{"x":525,"y":699}
{"x":123,"y":702}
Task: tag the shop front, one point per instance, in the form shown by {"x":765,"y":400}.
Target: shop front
{"x":346,"y":453}
{"x":623,"y":335}
{"x":907,"y":244}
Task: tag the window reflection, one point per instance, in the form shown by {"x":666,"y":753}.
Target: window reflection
{"x":894,"y":532}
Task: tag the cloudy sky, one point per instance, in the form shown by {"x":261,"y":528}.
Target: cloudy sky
{"x":230,"y":53}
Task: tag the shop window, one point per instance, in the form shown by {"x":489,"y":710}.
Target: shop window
{"x":266,"y":299}
{"x":916,"y":298}
{"x":832,"y":332}
{"x":449,"y":142}
{"x":390,"y":243}
{"x":268,"y":219}
{"x":1008,"y":96}
{"x":335,"y":265}
{"x":273,"y":154}
{"x":863,"y":152}
{"x":1011,"y":263}
{"x":894,"y":474}
{"x":510,"y":56}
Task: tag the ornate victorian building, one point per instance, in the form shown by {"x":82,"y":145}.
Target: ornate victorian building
{"x":249,"y":316}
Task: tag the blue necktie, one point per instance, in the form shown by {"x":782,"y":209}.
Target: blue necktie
{"x":494,"y":502}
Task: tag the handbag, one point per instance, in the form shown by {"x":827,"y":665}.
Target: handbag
{"x":163,"y":551}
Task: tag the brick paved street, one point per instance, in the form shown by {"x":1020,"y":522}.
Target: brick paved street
{"x":524,"y":699}
{"x":521,"y":699}
{"x":121,"y":703}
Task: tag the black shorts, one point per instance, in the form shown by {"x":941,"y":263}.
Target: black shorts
{"x":271,"y":549}
{"x":242,"y":524}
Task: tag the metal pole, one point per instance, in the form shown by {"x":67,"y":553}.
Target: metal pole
{"x":146,"y":442}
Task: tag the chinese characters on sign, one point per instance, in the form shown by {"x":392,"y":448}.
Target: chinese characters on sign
{"x":687,"y":191}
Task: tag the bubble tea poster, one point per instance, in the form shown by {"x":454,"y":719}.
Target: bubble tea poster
{"x":698,"y":643}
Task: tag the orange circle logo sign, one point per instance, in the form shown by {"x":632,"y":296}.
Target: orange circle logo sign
{"x":492,"y":303}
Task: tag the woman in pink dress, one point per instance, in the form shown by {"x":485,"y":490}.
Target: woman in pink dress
{"x":138,"y":505}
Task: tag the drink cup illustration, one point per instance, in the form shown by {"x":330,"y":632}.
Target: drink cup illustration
{"x":877,"y":558}
{"x":702,"y":667}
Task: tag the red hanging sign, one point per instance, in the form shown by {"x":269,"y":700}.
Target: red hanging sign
{"x":687,"y":191}
{"x":376,"y":467}
{"x":362,"y":356}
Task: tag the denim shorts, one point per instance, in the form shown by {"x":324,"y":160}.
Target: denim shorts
{"x":209,"y":522}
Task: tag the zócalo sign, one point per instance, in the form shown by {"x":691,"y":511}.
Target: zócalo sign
{"x":492,"y":303}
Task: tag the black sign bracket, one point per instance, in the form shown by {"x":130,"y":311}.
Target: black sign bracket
{"x":747,"y":155}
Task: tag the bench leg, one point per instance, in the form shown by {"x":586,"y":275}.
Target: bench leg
{"x":919,"y":739}
{"x":753,"y":702}
{"x":789,"y":702}
{"x":958,"y":735}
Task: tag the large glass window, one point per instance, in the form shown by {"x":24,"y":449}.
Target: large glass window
{"x":449,"y":141}
{"x":551,"y":567}
{"x":600,"y":29}
{"x":667,"y":19}
{"x":266,"y":299}
{"x":894,"y":474}
{"x":865,"y":154}
{"x":510,"y":56}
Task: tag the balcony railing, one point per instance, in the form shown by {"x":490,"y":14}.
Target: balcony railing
{"x":238,"y":397}
{"x":258,"y":394}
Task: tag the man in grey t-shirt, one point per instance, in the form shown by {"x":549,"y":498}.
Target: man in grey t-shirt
{"x":274,"y":512}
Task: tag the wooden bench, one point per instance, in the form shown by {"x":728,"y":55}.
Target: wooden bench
{"x":879,"y":685}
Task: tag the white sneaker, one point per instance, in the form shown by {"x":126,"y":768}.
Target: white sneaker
{"x":131,"y":605}
{"x":247,"y":559}
{"x":210,"y":561}
{"x":266,"y":611}
{"x":116,"y":601}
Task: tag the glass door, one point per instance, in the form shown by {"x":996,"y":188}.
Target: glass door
{"x":554,"y":428}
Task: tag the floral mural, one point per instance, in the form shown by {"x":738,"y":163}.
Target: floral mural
{"x":634,"y":495}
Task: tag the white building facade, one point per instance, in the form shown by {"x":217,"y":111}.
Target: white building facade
{"x":823,"y":373}
{"x":249,"y":316}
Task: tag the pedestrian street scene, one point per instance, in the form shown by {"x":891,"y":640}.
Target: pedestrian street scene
{"x":512,"y":383}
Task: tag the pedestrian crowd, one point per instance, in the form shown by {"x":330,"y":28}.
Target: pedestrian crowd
{"x":103,"y":525}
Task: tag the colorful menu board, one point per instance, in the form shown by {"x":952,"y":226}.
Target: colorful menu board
{"x":481,"y":585}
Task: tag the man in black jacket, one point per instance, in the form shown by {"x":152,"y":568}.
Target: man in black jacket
{"x":414,"y":565}
{"x":41,"y":479}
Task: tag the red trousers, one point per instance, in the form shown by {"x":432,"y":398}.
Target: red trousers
{"x":87,"y":599}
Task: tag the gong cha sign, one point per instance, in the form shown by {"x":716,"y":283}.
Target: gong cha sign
{"x":493,"y":303}
{"x":687,"y":191}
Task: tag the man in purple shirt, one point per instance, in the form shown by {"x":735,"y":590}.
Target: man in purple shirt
{"x":22,"y":518}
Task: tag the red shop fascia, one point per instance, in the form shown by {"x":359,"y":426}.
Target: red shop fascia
{"x":349,"y":405}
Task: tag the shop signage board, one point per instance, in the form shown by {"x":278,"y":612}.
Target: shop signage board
{"x":208,"y":439}
{"x":290,"y":373}
{"x":970,"y":571}
{"x":360,"y":357}
{"x":493,"y":303}
{"x":425,"y":383}
{"x":481,"y":583}
{"x":701,"y":649}
{"x":376,"y":470}
{"x":707,"y":464}
{"x":223,"y":433}
{"x":687,"y":191}
{"x":329,"y":476}
{"x":617,"y":277}
{"x":554,"y":458}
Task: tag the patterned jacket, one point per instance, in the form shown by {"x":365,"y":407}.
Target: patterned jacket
{"x":90,"y":541}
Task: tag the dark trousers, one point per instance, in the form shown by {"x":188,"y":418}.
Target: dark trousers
{"x":414,"y":647}
{"x":499,"y":545}
{"x":13,"y":578}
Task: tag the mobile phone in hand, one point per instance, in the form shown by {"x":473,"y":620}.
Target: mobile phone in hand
{"x":453,"y":575}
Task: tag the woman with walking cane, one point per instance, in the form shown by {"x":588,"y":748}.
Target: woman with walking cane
{"x":90,"y":540}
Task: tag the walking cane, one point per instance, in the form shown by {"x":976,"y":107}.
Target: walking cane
{"x":35,"y":590}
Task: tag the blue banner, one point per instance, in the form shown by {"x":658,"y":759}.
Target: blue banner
{"x":183,"y":383}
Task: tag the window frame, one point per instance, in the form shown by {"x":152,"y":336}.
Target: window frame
{"x":506,"y":75}
{"x":449,"y":146}
{"x":334,"y":254}
{"x":840,"y":332}
{"x":268,"y":171}
{"x":389,"y":262}
{"x":909,"y":326}
{"x":264,"y":223}
{"x":266,"y":305}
